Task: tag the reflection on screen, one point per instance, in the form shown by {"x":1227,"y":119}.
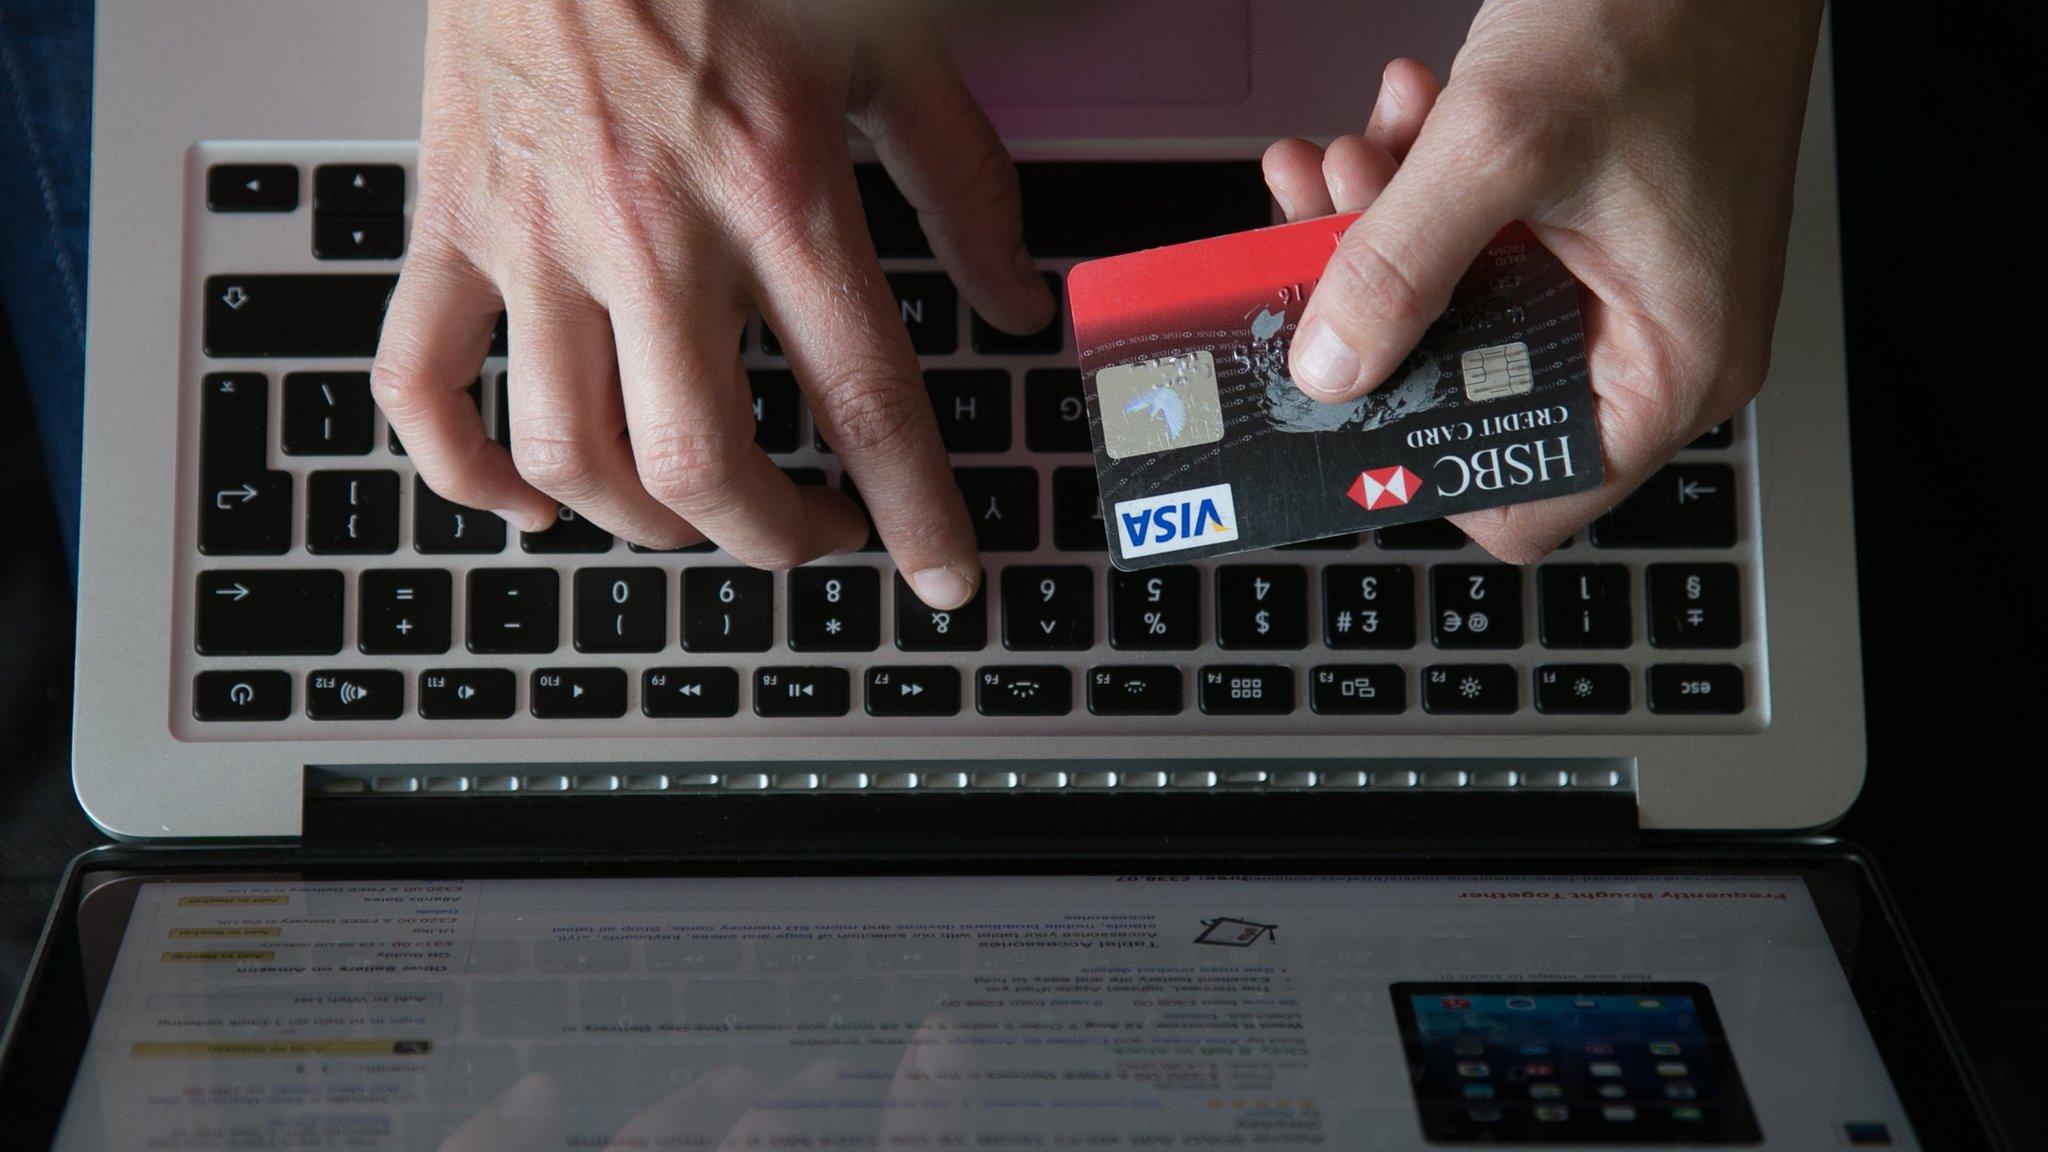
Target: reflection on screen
{"x":987,"y":1013}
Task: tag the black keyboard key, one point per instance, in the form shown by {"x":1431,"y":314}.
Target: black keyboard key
{"x":328,"y":414}
{"x":835,"y":609}
{"x":775,"y":409}
{"x":781,"y":692}
{"x":468,"y":693}
{"x":407,"y":611}
{"x":1024,"y":690}
{"x":359,"y":190}
{"x":501,"y":407}
{"x":1583,"y":606}
{"x":930,"y":309}
{"x":357,"y":694}
{"x":913,"y":690}
{"x":570,"y":533}
{"x":1003,"y":504}
{"x":272,"y":612}
{"x":1135,"y":690}
{"x":284,"y":315}
{"x":252,"y":188}
{"x":1077,"y":512}
{"x":1055,"y":415}
{"x":1159,"y":608}
{"x":689,"y":693}
{"x":972,"y":406}
{"x":578,"y":693}
{"x":990,"y":340}
{"x":1696,"y":689}
{"x":1420,"y":535}
{"x":1682,"y":506}
{"x":1475,"y":606}
{"x":728,"y":609}
{"x":222,"y":697}
{"x":801,"y":476}
{"x":358,"y":237}
{"x":443,"y":527}
{"x":351,"y":513}
{"x":621,"y":610}
{"x":1358,"y":690}
{"x":1048,"y":609}
{"x":245,"y":509}
{"x":514,"y":610}
{"x":1582,"y":689}
{"x":1470,"y":690}
{"x":1369,"y":606}
{"x":1246,"y":689}
{"x":1719,"y":436}
{"x":922,"y":628}
{"x":1694,"y":605}
{"x":1344,"y":542}
{"x":1261,"y":606}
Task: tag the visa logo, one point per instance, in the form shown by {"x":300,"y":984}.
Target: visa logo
{"x":1175,"y":520}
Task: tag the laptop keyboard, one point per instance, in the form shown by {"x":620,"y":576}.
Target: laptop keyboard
{"x":326,"y":583}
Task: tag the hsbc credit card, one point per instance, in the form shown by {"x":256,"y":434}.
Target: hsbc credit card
{"x":1204,"y":446}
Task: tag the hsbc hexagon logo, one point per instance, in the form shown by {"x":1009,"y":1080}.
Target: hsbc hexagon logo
{"x":1385,"y":488}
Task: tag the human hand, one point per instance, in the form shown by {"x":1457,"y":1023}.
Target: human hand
{"x":1649,"y":147}
{"x":628,"y":180}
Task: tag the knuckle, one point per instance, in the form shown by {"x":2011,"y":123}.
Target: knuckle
{"x":778,"y":551}
{"x":872,"y":412}
{"x":558,"y":465}
{"x":685,"y":470}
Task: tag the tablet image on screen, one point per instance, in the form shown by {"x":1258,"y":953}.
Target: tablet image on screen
{"x":1567,"y":1062}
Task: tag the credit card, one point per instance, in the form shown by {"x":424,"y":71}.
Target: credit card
{"x":1204,"y":446}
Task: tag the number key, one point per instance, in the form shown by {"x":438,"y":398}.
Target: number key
{"x":621,"y":609}
{"x":922,"y":628}
{"x":1261,"y":606}
{"x":1156,"y":608}
{"x":1475,"y":605}
{"x":1048,"y":609}
{"x":835,"y":610}
{"x":1583,"y":605}
{"x":1368,"y":606}
{"x":728,"y":609}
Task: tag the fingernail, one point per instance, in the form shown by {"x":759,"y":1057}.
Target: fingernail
{"x":1389,"y":104}
{"x":524,"y":521}
{"x":1323,"y":362}
{"x":1286,"y":206}
{"x":942,"y":588}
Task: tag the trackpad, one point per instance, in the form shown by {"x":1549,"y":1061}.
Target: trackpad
{"x":1086,"y":52}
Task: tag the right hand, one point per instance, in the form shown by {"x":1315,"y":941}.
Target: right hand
{"x":628,"y":180}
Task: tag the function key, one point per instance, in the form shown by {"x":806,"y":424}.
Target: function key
{"x":404,"y":610}
{"x":1003,"y":504}
{"x":358,"y":237}
{"x":621,"y":610}
{"x":468,"y":693}
{"x":835,"y":610}
{"x":990,"y":340}
{"x":775,"y":409}
{"x":1048,"y":608}
{"x":1261,"y":606}
{"x":1694,"y":605}
{"x":443,"y":527}
{"x":797,"y":691}
{"x":1024,"y":690}
{"x":569,"y":533}
{"x":1055,"y":415}
{"x":1582,"y":689}
{"x":1246,"y":689}
{"x":684,"y":693}
{"x":1696,"y":689}
{"x":219,"y":697}
{"x":352,"y":513}
{"x":578,"y":693}
{"x":1159,"y":608}
{"x":245,"y":509}
{"x":271,"y":612}
{"x":1469,"y":689}
{"x":1583,"y":606}
{"x":1682,"y":506}
{"x":1420,"y":535}
{"x":514,"y":610}
{"x":972,"y":406}
{"x":728,"y":609}
{"x":1135,"y":690}
{"x":328,"y":414}
{"x":1077,"y":512}
{"x":1475,"y":606}
{"x":930,"y":690}
{"x":922,"y":628}
{"x":359,"y":190}
{"x":1358,"y":690}
{"x":357,"y":694}
{"x":1369,"y":606}
{"x":252,"y":188}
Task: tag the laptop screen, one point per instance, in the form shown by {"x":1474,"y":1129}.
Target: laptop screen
{"x":986,"y":1012}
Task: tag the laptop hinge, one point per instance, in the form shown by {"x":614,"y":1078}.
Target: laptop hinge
{"x":1008,"y":808}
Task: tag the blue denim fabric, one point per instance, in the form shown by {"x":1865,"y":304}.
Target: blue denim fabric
{"x":45,"y":156}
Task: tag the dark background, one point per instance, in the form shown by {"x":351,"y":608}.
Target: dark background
{"x":1937,"y":222}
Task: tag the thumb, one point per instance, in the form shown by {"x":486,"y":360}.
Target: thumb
{"x":1393,"y":273}
{"x":948,"y":162}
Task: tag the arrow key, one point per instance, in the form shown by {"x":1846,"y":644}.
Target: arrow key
{"x":675,"y":693}
{"x":252,"y":188}
{"x":913,"y":691}
{"x":578,"y":693}
{"x":268,"y":612}
{"x":358,"y":237}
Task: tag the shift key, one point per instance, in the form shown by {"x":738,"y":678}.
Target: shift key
{"x":268,"y":612}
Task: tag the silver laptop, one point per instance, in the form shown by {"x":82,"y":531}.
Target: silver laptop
{"x":272,"y":607}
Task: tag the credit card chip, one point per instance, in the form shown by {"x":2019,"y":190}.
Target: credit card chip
{"x":1496,"y":371}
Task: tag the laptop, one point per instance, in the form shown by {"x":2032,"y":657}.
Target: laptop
{"x":302,"y":675}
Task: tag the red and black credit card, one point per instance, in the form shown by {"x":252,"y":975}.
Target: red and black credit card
{"x":1204,"y":446}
